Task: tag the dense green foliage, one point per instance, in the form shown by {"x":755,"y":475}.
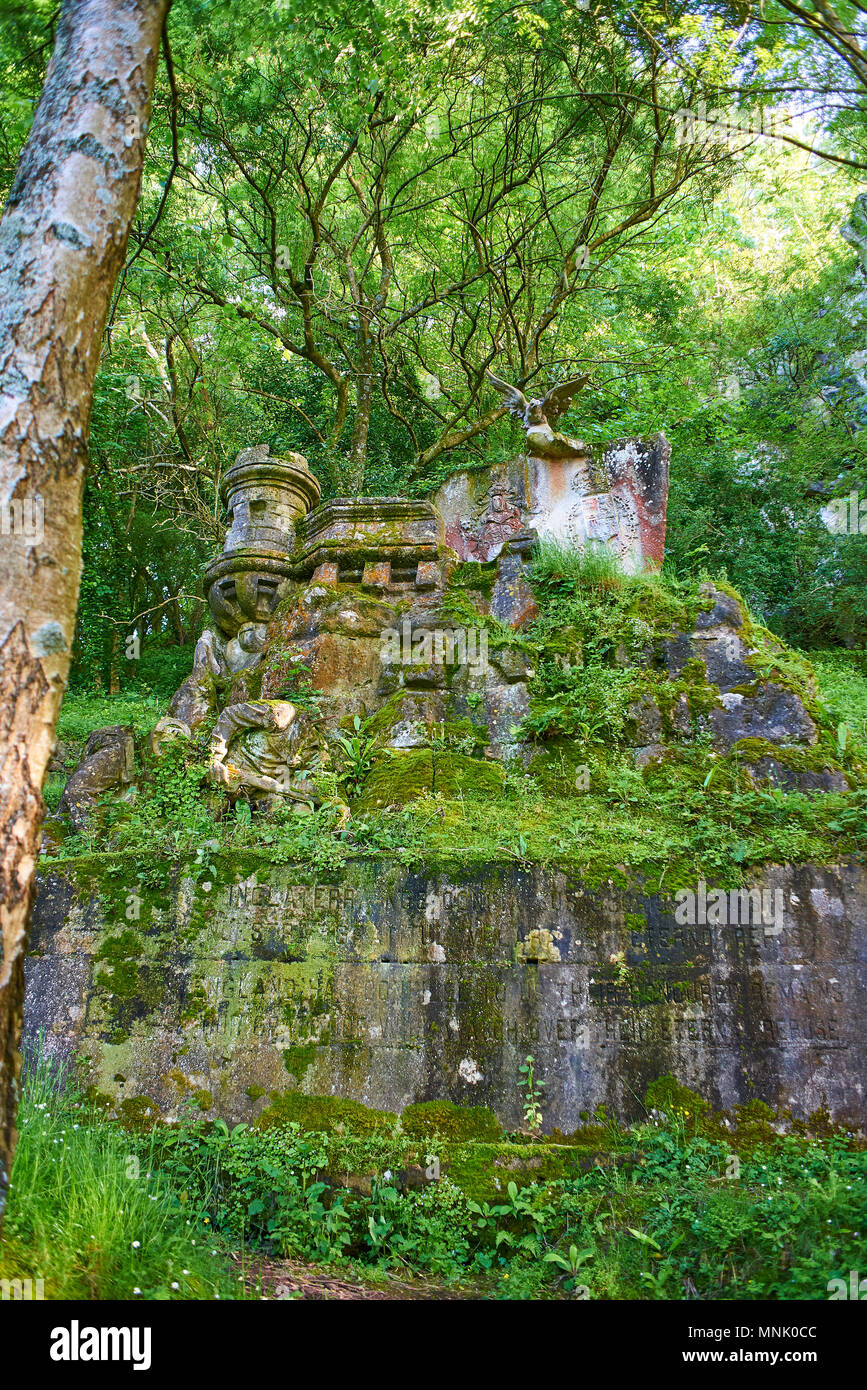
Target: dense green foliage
{"x":682,"y":1205}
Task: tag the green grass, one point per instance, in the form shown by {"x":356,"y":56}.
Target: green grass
{"x":90,"y":1216}
{"x":597,"y":567}
{"x":692,"y":816}
{"x":843,"y":684}
{"x":82,"y":712}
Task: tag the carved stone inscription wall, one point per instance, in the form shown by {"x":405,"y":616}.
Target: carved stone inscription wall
{"x":390,"y":987}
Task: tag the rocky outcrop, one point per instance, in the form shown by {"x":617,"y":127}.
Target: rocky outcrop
{"x":734,"y":705}
{"x":372,"y":624}
{"x":772,"y":713}
{"x":403,"y":660}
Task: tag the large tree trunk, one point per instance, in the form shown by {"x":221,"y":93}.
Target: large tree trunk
{"x":63,"y":239}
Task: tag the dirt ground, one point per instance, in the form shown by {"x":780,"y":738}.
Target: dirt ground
{"x":292,"y":1279}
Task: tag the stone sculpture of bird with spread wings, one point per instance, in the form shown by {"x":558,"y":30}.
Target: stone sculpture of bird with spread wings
{"x":536,"y":413}
{"x":537,"y":410}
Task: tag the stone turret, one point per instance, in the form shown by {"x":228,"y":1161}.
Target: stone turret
{"x":265,"y":497}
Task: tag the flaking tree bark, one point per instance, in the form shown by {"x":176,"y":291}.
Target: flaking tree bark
{"x":63,"y":237}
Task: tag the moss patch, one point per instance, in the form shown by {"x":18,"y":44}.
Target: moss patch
{"x":324,"y":1114}
{"x":442,"y":1117}
{"x":297,"y":1059}
{"x":138,"y":1113}
{"x":398,"y":778}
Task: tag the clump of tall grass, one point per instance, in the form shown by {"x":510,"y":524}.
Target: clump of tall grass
{"x":594,"y":567}
{"x":87,"y":1213}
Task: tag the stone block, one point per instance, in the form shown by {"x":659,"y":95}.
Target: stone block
{"x":428,"y":575}
{"x":377,"y":574}
{"x":616,"y":496}
{"x":512,"y":599}
{"x":441,"y":979}
{"x":326,"y":574}
{"x":356,"y":530}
